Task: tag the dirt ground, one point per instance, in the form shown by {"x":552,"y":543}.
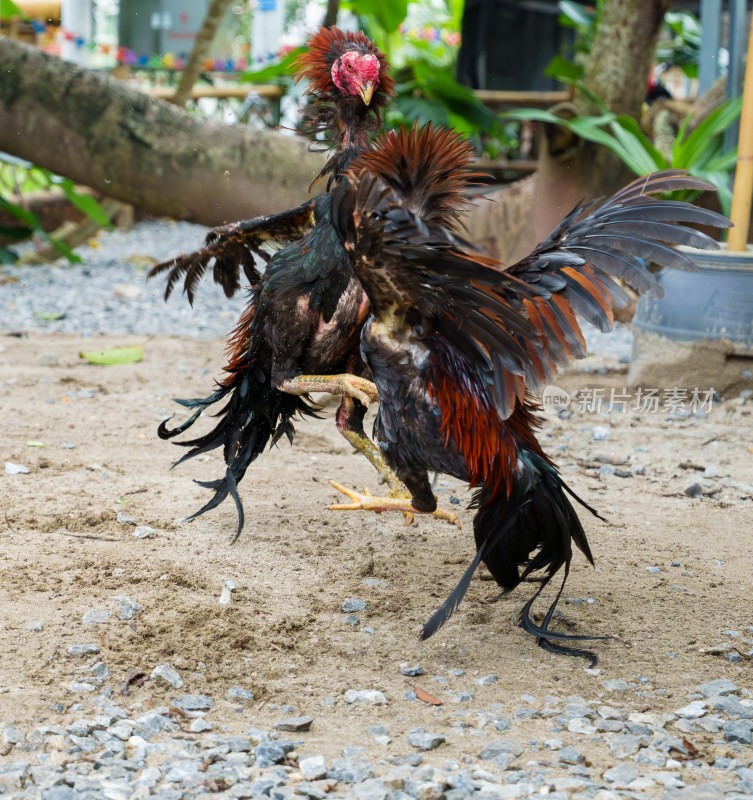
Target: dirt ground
{"x":283,"y":636}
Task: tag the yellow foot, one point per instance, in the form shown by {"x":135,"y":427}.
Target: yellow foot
{"x":368,"y":502}
{"x":344,"y":384}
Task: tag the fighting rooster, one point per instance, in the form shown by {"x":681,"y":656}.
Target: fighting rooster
{"x":300,"y":330}
{"x":455,"y":341}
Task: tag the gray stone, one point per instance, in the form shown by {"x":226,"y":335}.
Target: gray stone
{"x":485,"y":680}
{"x":168,"y":674}
{"x":16,"y":469}
{"x":99,"y":671}
{"x":127,"y":519}
{"x":311,"y":790}
{"x":738,"y":731}
{"x":127,"y":608}
{"x":268,"y":753}
{"x":615,"y":685}
{"x":693,"y":710}
{"x":193,"y":702}
{"x":199,"y":725}
{"x":411,"y":671}
{"x":351,"y":770}
{"x":718,"y":687}
{"x":81,"y":687}
{"x":624,"y":745}
{"x":502,"y":724}
{"x":374,"y":582}
{"x":731,"y":706}
{"x":237,"y":694}
{"x":95,"y":616}
{"x":313,"y":768}
{"x":425,"y":741}
{"x":152,"y":722}
{"x":371,"y":789}
{"x":372,"y":696}
{"x":294,"y":724}
{"x":569,"y":755}
{"x":494,"y":748}
{"x":144,"y":532}
{"x":653,"y":570}
{"x":78,"y":650}
{"x":353,"y":604}
{"x":622,"y":774}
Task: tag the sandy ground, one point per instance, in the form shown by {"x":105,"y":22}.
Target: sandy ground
{"x":283,"y":636}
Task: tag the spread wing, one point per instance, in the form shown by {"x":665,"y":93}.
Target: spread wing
{"x":231,"y":248}
{"x":519,"y":324}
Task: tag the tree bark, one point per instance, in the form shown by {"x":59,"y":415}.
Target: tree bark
{"x":201,"y":45}
{"x":569,"y":169}
{"x":330,"y":16}
{"x":97,"y":131}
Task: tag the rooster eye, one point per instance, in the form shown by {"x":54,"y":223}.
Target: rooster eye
{"x":350,"y":67}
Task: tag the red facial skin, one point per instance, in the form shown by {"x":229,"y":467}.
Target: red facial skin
{"x":356,"y":74}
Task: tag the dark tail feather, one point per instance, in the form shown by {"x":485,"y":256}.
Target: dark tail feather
{"x":534,"y":530}
{"x":446,"y":610}
{"x":256,"y":415}
{"x":222,"y":488}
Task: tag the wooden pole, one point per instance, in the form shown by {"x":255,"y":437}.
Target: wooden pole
{"x":743,"y":191}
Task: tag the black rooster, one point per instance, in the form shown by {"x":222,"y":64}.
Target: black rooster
{"x":300,"y":330}
{"x":455,"y":341}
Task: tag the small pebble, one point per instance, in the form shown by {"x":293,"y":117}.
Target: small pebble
{"x":193,"y":702}
{"x":16,"y":469}
{"x":411,"y":671}
{"x":144,"y":532}
{"x":95,"y":616}
{"x":294,"y":724}
{"x":352,"y":604}
{"x":78,"y":650}
{"x":125,"y":518}
{"x":168,"y":674}
{"x":237,"y":694}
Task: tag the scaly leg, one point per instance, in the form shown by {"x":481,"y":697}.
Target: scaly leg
{"x":367,"y":502}
{"x":345,"y":384}
{"x":350,"y":424}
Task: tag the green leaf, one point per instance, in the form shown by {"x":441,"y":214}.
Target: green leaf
{"x":123,"y":501}
{"x":267,"y":74}
{"x":19,"y":212}
{"x":35,"y":443}
{"x":690,"y":151}
{"x":458,"y":99}
{"x":85,"y":203}
{"x":562,"y":69}
{"x":117,"y":355}
{"x":63,"y":249}
{"x":9,"y":9}
{"x":7,"y":256}
{"x":388,"y":13}
{"x":576,"y":13}
{"x":49,"y":315}
{"x":15,"y":233}
{"x":533,"y":115}
{"x":640,"y":144}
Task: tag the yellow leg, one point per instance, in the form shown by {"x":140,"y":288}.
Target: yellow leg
{"x":367,"y":502}
{"x":345,"y":384}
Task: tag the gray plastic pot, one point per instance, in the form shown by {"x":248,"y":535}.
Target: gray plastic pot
{"x":700,"y":333}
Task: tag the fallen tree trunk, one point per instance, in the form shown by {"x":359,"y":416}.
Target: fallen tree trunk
{"x":95,"y":130}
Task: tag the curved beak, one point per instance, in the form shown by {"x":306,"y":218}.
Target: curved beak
{"x":366,"y":91}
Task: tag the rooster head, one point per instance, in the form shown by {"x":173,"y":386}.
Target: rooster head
{"x":340,"y":64}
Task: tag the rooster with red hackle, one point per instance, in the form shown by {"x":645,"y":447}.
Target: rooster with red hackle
{"x":299,"y":332}
{"x":456,"y":341}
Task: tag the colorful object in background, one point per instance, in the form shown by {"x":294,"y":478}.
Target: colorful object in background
{"x":51,"y":36}
{"x":431,"y":34}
